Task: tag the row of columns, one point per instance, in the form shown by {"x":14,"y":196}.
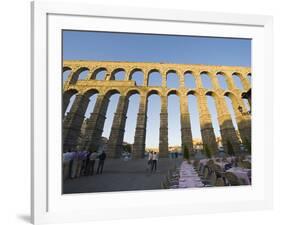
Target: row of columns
{"x":73,"y":78}
{"x":94,"y":128}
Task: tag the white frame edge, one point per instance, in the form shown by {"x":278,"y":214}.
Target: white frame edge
{"x":39,"y":81}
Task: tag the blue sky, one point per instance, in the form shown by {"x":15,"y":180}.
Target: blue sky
{"x":107,"y":46}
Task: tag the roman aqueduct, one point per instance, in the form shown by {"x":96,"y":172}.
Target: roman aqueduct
{"x":84,"y":89}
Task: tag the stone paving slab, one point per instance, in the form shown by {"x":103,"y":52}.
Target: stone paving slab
{"x":119,"y":175}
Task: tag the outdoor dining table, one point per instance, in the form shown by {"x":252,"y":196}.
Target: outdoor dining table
{"x":189,"y":177}
{"x":241,"y":173}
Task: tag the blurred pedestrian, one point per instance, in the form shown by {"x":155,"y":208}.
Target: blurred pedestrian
{"x":92,"y":158}
{"x":154,"y":161}
{"x":102,"y":158}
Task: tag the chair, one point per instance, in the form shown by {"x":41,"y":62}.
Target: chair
{"x":247,"y":165}
{"x":213,"y":179}
{"x":232,"y":179}
{"x":206,"y":172}
{"x":196,"y":165}
{"x":164,"y":185}
{"x":219,"y":182}
{"x":210,"y":162}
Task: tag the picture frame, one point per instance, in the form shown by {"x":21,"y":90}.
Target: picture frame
{"x":48,"y":205}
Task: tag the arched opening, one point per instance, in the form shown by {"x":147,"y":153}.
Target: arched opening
{"x":137,"y":76}
{"x":153,"y":121}
{"x":212,"y":107}
{"x":249,"y":77}
{"x":194,"y":120}
{"x":111,"y":109}
{"x":154,"y":78}
{"x":230,"y":107}
{"x":189,"y":80}
{"x":91,"y":105}
{"x":237,"y":81}
{"x":172,"y":79}
{"x":83,"y":74}
{"x":206,"y":80}
{"x":99,"y":74}
{"x":132,"y":113}
{"x":246,"y":103}
{"x":68,"y":99}
{"x":71,"y":101}
{"x":66,"y":72}
{"x":222,"y":81}
{"x":118,"y":74}
{"x":174,"y":125}
{"x":92,"y":95}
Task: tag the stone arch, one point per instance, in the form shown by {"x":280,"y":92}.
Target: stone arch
{"x":174,"y":120}
{"x":231,"y":95}
{"x":91,"y":94}
{"x":135,"y":72}
{"x":237,"y":79}
{"x":153,"y":91}
{"x":131,"y":92}
{"x":153,"y":99}
{"x":152,"y":74}
{"x":118,"y":74}
{"x":133,"y":98}
{"x":113,"y":96}
{"x":193,"y":92}
{"x":77,"y":74}
{"x":66,"y":71}
{"x":206,"y":80}
{"x":65,"y":68}
{"x":172,"y":79}
{"x":193,"y":106}
{"x":111,"y":92}
{"x":99,"y":74}
{"x":189,"y":79}
{"x":222,"y":80}
{"x":68,"y":99}
{"x":173,"y":92}
{"x":232,"y":106}
{"x":212,"y":105}
{"x":212,"y":93}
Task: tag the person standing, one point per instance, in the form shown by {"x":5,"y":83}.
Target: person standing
{"x":74,"y":164}
{"x":79,"y":163}
{"x":85,"y":160}
{"x":92,"y":159}
{"x":154,"y":162}
{"x":149,"y":160}
{"x":102,"y":158}
{"x":71,"y":156}
{"x":66,"y":162}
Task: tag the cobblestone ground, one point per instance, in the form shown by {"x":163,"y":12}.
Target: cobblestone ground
{"x":119,"y":175}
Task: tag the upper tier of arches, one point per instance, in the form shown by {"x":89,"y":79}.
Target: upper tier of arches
{"x":157,"y":74}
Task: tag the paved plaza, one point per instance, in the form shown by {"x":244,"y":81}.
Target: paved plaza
{"x":120,"y":175}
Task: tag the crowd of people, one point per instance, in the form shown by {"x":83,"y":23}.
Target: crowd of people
{"x":82,"y":163}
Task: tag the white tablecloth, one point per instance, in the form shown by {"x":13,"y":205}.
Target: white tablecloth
{"x":189,"y":177}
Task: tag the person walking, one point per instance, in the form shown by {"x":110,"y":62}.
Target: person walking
{"x":102,"y":158}
{"x":154,"y":162}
